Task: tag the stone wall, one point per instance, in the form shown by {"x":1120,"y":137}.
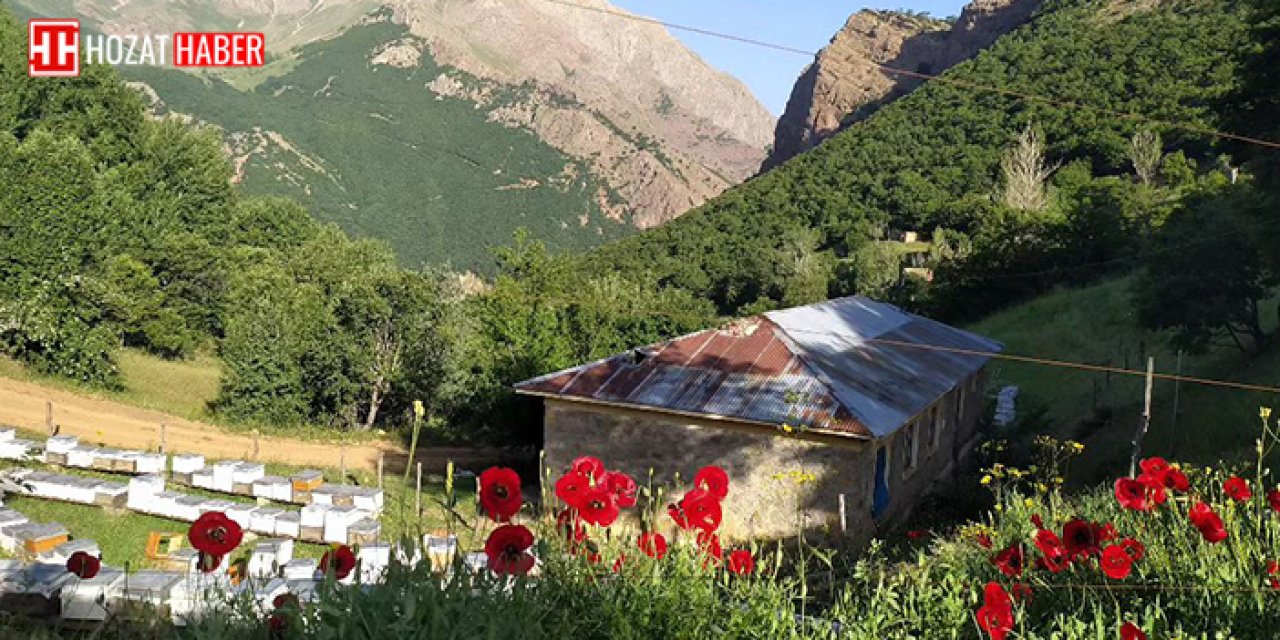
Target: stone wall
{"x":781,"y":482}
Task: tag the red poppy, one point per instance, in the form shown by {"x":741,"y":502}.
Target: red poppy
{"x":1131,"y":493}
{"x":286,"y":600}
{"x":713,"y":480}
{"x":1155,"y":466}
{"x":916,"y":534}
{"x":740,"y":562}
{"x":622,"y":487}
{"x":83,"y":565}
{"x":1107,"y":532}
{"x":500,"y":493}
{"x":710,"y":543}
{"x":1155,"y":487}
{"x":1273,"y":499}
{"x":1237,"y":489}
{"x":1176,"y":480}
{"x":1054,"y":556}
{"x":588,"y":466}
{"x":570,"y":487}
{"x":208,"y":562}
{"x":1275,"y":584}
{"x":1022,"y":592}
{"x":1011,"y":561}
{"x":698,"y":509}
{"x":598,"y":506}
{"x":995,"y":616}
{"x":1081,"y":537}
{"x":619,"y":563}
{"x":1207,"y":522}
{"x":1037,"y":521}
{"x":1133,"y":548}
{"x":1116,"y":562}
{"x":1130,"y":631}
{"x":215,"y":534}
{"x":507,"y":548}
{"x":653,"y":544}
{"x":984,"y":541}
{"x":342,"y":559}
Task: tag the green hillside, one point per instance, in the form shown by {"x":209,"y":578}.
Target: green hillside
{"x":382,"y":156}
{"x":932,"y":159}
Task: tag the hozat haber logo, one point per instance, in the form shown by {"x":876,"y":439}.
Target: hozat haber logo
{"x":56,"y":44}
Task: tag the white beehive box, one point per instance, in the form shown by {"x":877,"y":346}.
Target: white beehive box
{"x":242,"y":514}
{"x":9,"y":533}
{"x":111,"y":494}
{"x":39,"y":578}
{"x":313,"y":515}
{"x":273,"y":488}
{"x":165,"y":504}
{"x":374,"y":560}
{"x":336,"y":522}
{"x":188,"y":507}
{"x":8,"y":434}
{"x":263,"y":520}
{"x":196,"y":595}
{"x":214,"y":504}
{"x":367,"y":498}
{"x":61,"y":444}
{"x":91,"y":599}
{"x":323,"y":494}
{"x":16,"y":449}
{"x":300,"y":569}
{"x":289,"y":524}
{"x":203,"y":479}
{"x":363,"y":531}
{"x":187,"y":463}
{"x":81,"y":457}
{"x":224,"y":475}
{"x":151,"y":462}
{"x":85,"y":490}
{"x":247,"y":472}
{"x":269,"y":556}
{"x":143,"y":490}
{"x":150,"y":587}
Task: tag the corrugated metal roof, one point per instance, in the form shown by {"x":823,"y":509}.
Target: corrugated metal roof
{"x":817,"y":366}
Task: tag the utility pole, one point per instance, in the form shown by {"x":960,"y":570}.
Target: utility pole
{"x":1146,"y":418}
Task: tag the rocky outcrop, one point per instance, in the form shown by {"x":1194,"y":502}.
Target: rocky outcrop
{"x":844,"y":83}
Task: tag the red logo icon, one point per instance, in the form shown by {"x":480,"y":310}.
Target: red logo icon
{"x":53,"y":48}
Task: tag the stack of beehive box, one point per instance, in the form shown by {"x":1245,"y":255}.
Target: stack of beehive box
{"x":67,"y":451}
{"x":76,"y":489}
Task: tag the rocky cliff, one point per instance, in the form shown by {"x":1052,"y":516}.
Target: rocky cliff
{"x":844,"y":83}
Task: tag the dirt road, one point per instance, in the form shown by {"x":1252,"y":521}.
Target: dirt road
{"x":109,"y":423}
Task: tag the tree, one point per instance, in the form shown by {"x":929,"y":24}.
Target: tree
{"x":1026,"y":176}
{"x":1145,"y":153}
{"x":1209,"y":287}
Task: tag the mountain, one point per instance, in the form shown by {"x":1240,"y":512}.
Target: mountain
{"x":823,"y":223}
{"x":844,"y":84}
{"x":442,"y":126}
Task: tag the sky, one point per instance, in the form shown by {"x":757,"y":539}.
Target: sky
{"x":801,"y":24}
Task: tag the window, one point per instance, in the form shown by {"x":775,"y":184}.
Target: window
{"x":910,"y":447}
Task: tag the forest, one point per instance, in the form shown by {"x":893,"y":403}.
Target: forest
{"x":122,"y":230}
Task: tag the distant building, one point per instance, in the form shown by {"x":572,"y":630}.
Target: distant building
{"x":812,"y":410}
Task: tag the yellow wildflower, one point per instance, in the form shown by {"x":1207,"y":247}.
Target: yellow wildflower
{"x":1265,"y":412}
{"x":1042,"y":487}
{"x":786,"y":428}
{"x":985,"y":480}
{"x":1077,"y":446}
{"x":1029,"y":503}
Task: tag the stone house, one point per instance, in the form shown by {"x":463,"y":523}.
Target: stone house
{"x":826,"y":417}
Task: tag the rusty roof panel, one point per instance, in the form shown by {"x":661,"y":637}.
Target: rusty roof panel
{"x":824,"y":366}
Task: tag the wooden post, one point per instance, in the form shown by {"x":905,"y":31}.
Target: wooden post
{"x":1146,"y":418}
{"x":381,"y":456}
{"x":844,"y":523}
{"x":417,"y":494}
{"x":164,"y":438}
{"x":1173,"y":428}
{"x":342,"y":462}
{"x":48,"y":416}
{"x":256,"y":446}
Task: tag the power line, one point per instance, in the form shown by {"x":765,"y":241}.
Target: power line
{"x":1066,"y":104}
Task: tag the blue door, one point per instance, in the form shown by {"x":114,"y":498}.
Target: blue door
{"x":880,"y":499}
